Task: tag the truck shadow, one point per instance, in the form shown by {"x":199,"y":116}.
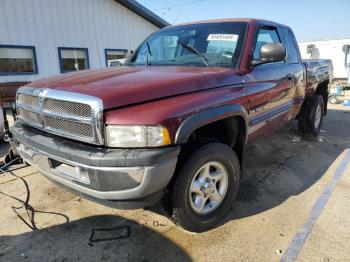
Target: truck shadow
{"x":71,"y":242}
{"x":95,"y":238}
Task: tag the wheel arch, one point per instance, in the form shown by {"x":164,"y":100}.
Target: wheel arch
{"x":206,"y":117}
{"x":231,"y":120}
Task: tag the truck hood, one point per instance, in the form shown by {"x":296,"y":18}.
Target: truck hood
{"x":120,"y":86}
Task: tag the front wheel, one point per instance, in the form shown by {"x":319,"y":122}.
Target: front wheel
{"x":206,"y":187}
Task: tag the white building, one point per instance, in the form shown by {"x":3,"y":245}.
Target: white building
{"x":39,"y":38}
{"x":336,"y":50}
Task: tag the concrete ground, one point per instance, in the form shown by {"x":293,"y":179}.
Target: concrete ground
{"x":294,"y":203}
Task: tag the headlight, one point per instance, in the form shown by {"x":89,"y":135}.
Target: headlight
{"x":137,"y":136}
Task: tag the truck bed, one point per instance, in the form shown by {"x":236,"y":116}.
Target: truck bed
{"x":318,"y":71}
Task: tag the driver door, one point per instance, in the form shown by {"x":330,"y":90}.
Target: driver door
{"x":268,"y":88}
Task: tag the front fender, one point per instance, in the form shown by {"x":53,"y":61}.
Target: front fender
{"x":202,"y":118}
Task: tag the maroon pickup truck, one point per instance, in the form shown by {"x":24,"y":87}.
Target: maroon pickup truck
{"x":173,"y":122}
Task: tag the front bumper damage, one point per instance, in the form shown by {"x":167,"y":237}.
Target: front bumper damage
{"x":121,"y":178}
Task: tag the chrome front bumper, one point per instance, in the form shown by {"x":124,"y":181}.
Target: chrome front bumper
{"x":147,"y":179}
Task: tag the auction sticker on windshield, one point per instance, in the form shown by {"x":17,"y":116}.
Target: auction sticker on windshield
{"x":223,"y":37}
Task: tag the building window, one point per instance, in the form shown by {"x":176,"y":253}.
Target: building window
{"x":115,"y":57}
{"x":73,"y":59}
{"x":18,"y":60}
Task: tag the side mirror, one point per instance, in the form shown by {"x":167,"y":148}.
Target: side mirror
{"x":270,"y":53}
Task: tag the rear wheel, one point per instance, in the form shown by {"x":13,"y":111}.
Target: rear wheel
{"x":206,"y":187}
{"x":312,"y":116}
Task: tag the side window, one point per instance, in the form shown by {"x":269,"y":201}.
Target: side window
{"x":265,"y":36}
{"x":289,"y":43}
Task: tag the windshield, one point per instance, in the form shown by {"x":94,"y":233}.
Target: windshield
{"x":212,"y":44}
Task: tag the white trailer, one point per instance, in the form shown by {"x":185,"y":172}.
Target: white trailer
{"x":336,"y":50}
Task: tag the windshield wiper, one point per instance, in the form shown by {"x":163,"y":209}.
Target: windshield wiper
{"x":148,"y":62}
{"x":195,"y":51}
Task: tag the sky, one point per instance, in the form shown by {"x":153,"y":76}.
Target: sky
{"x":309,"y":19}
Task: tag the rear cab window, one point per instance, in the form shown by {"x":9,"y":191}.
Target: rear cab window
{"x":290,"y":45}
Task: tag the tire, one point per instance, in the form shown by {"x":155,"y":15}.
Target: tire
{"x":333,"y":100}
{"x":312,"y":116}
{"x":184,"y":210}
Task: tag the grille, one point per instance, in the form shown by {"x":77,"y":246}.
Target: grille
{"x":63,"y":113}
{"x":68,"y":127}
{"x":29,"y":116}
{"x":67,"y":108}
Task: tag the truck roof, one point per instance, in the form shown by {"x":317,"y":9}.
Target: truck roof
{"x":223,"y":20}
